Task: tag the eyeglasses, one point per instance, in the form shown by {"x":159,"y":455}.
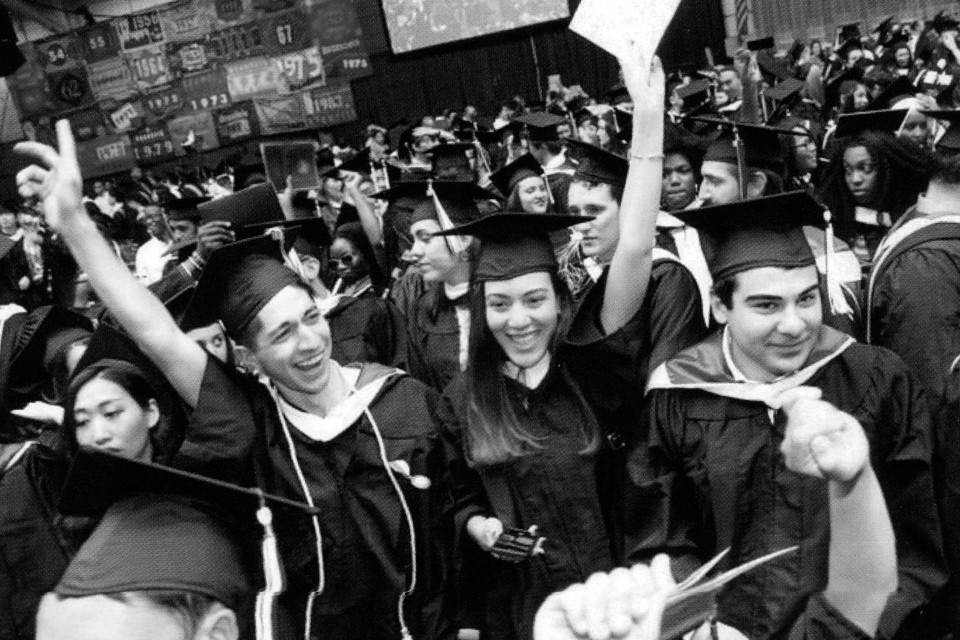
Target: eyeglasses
{"x":347,"y":260}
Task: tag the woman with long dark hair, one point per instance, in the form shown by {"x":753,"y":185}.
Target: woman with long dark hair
{"x":525,"y":446}
{"x":110,"y":406}
{"x":873,"y":178}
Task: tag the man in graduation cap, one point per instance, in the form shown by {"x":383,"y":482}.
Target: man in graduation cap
{"x":713,"y":477}
{"x":360,"y":443}
{"x":174,"y":557}
{"x":545,"y":145}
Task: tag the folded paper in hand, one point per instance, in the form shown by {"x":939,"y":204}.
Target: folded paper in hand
{"x":612,"y":24}
{"x":693,"y":602}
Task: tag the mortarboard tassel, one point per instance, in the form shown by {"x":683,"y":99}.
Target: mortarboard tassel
{"x":456,"y":244}
{"x":835,"y":295}
{"x":273,"y":579}
{"x":546,"y":184}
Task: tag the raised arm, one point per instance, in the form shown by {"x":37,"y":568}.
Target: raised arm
{"x":57,"y":182}
{"x":630,"y":268}
{"x":823,"y":442}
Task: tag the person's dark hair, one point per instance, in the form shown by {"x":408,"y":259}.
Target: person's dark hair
{"x":353,"y":233}
{"x":774,"y":184}
{"x":902,"y":172}
{"x":553,"y":146}
{"x":616,"y":190}
{"x":494,"y":434}
{"x":691,"y":155}
{"x":724,"y":290}
{"x":946,"y":169}
{"x":124,"y":375}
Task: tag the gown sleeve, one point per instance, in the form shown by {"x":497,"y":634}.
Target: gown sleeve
{"x":661,"y":511}
{"x":221,"y":429}
{"x":821,"y":621}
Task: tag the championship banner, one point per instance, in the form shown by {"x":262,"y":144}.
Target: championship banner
{"x":331,"y":105}
{"x":60,"y":53}
{"x":207,"y":90}
{"x":188,"y":57}
{"x":153,"y":144}
{"x":285,"y":32}
{"x":234,"y":43}
{"x":236,"y":123}
{"x":200,"y":124}
{"x":187,"y":20}
{"x":232,"y":11}
{"x":99,"y":42}
{"x":111,"y":79}
{"x":70,"y":88}
{"x":302,"y":68}
{"x":106,"y":155}
{"x":127,"y":116}
{"x":87,"y":124}
{"x":139,"y":30}
{"x":163,"y":101}
{"x":254,"y":77}
{"x":337,"y":31}
{"x":149,"y":67}
{"x":280,"y":115}
{"x":28,"y":86}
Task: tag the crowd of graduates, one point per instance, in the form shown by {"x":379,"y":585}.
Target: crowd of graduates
{"x":516,"y":376}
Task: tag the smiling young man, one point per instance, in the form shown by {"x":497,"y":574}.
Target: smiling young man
{"x":713,"y":476}
{"x":359,"y":443}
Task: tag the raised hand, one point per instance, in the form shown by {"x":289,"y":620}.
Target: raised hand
{"x":212,"y":235}
{"x":624,"y":604}
{"x":820,"y":440}
{"x":55,"y":180}
{"x":646,"y":84}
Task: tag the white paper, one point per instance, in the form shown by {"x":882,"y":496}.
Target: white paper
{"x":612,"y":24}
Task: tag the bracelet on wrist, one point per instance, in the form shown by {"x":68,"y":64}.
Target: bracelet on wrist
{"x":646,"y":156}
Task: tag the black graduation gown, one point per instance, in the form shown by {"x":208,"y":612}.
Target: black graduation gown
{"x":556,"y":488}
{"x":367,"y":328}
{"x":36,"y":543}
{"x":669,"y":320}
{"x":433,"y":339}
{"x":916,"y":314}
{"x":236,"y":434}
{"x":713,"y":477}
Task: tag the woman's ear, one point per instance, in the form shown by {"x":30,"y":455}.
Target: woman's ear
{"x":219,"y":623}
{"x":153,"y":413}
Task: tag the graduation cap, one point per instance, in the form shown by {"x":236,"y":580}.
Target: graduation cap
{"x":759,"y":232}
{"x":239,"y":280}
{"x":749,"y":145}
{"x":761,"y":44}
{"x":774,"y":66}
{"x":853,"y":124}
{"x":513,"y":244}
{"x":250,"y":212}
{"x":617,"y":94}
{"x":623,"y":119}
{"x":506,"y":178}
{"x":326,"y":162}
{"x":899,"y":88}
{"x":833,"y":86}
{"x":844,"y":49}
{"x":944,"y":22}
{"x":694,"y":94}
{"x":540,"y":127}
{"x":596,"y":164}
{"x":359,"y":163}
{"x":185,"y":208}
{"x":949,"y":141}
{"x":449,"y":162}
{"x":786,"y":90}
{"x":849,"y":31}
{"x":166,"y":529}
{"x":677,"y":139}
{"x":312,"y":238}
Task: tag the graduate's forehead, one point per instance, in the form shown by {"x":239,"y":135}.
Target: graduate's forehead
{"x":288,"y":305}
{"x":775,"y":282}
{"x":101,"y":617}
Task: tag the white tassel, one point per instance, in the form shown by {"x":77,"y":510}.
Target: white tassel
{"x":272,"y":574}
{"x":837,"y":299}
{"x":456,"y":243}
